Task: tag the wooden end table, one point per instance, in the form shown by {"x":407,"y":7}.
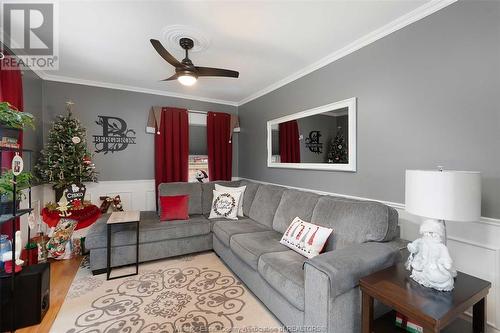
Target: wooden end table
{"x":122,"y":218}
{"x":435,"y":311}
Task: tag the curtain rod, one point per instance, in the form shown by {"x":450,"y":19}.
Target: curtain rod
{"x":196,"y":111}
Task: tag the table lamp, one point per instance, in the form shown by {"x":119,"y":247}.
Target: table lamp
{"x":440,"y":195}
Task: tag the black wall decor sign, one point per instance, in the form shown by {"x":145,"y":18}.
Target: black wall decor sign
{"x":312,"y":142}
{"x":115,"y":135}
{"x":75,"y":192}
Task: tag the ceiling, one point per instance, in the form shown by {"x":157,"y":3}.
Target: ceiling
{"x":106,"y":43}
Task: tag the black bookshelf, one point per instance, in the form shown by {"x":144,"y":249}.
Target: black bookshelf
{"x":4,"y":218}
{"x":12,"y":217}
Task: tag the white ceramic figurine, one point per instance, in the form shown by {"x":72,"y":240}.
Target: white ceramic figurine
{"x":429,"y":261}
{"x":7,"y":256}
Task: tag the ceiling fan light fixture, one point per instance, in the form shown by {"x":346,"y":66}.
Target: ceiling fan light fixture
{"x":187,"y":79}
{"x":185,"y":71}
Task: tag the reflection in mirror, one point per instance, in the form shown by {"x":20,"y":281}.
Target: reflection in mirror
{"x":315,"y":139}
{"x":320,"y":138}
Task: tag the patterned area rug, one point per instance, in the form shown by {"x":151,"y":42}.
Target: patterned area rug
{"x":195,"y":293}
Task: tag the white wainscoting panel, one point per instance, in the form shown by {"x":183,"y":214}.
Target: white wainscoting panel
{"x":150,"y":200}
{"x":135,"y":194}
{"x":125,"y":197}
{"x":36,"y":204}
{"x":474,"y":247}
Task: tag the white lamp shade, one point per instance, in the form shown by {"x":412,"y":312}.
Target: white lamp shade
{"x":444,"y":195}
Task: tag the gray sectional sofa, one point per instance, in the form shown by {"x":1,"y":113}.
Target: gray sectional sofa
{"x":314,"y":295}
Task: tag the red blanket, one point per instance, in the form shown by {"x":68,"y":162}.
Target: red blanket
{"x":84,"y":217}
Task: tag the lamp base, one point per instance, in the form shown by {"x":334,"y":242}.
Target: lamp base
{"x":429,"y":261}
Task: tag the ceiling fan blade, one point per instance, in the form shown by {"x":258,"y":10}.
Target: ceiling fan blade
{"x":208,"y":71}
{"x":173,"y":77}
{"x":165,"y":54}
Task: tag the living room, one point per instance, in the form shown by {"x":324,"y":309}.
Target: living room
{"x":255,"y":166}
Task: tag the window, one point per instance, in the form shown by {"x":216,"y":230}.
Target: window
{"x":198,"y":167}
{"x":198,"y":157}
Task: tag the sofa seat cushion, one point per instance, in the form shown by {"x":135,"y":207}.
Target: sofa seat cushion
{"x":284,"y":272}
{"x":249,"y":247}
{"x":225,"y":229}
{"x":151,"y":229}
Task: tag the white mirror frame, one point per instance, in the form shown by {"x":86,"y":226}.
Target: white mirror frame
{"x":351,"y":166}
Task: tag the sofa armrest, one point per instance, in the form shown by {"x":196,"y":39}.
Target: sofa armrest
{"x":332,"y":302}
{"x":346,"y":266}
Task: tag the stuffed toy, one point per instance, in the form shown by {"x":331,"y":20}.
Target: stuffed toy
{"x":109,"y":202}
{"x":201,"y":176}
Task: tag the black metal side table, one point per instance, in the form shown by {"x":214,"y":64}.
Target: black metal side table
{"x":122,"y":218}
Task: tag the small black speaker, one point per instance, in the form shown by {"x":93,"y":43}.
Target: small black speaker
{"x":32,"y":297}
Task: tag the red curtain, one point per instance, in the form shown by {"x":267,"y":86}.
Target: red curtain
{"x":289,"y":142}
{"x":220,"y":148}
{"x":11,"y":90}
{"x":172,"y":147}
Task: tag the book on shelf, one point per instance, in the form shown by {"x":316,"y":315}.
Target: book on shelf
{"x":406,"y":324}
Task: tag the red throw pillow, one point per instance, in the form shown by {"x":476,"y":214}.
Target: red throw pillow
{"x":174,"y":207}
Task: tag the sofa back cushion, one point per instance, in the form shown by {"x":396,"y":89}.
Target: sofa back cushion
{"x":354,"y":221}
{"x":191,"y":189}
{"x":207,"y":194}
{"x":265,"y":203}
{"x":294,"y":204}
{"x":249,"y":195}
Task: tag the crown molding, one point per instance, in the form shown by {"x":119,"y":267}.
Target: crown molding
{"x":395,"y":25}
{"x":66,"y":79}
{"x":399,"y":23}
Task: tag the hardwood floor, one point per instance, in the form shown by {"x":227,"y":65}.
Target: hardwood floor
{"x":61,"y":275}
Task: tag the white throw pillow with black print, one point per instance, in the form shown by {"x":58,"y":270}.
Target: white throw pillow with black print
{"x":306,"y":238}
{"x":225,"y":205}
{"x":240,"y":189}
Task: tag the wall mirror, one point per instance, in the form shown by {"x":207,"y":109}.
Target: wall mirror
{"x":323,"y":138}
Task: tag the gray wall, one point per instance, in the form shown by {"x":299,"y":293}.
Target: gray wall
{"x":427,"y":95}
{"x":136,"y":161}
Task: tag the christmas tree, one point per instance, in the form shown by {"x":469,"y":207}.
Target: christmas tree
{"x":337,"y":152}
{"x":66,"y":160}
